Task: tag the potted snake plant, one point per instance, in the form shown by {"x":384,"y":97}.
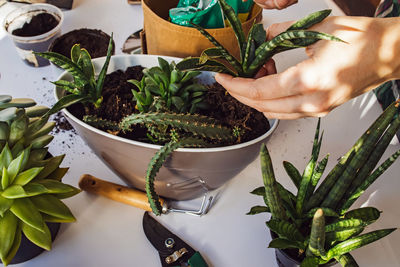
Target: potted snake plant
{"x":31,"y":189}
{"x":316,"y":227}
{"x":171,"y":110}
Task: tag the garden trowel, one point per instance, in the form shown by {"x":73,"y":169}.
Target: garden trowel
{"x":135,"y":197}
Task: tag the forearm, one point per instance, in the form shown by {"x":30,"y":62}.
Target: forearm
{"x":390,"y":51}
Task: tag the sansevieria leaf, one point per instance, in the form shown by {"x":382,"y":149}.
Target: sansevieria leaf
{"x":39,"y":238}
{"x":357,"y":242}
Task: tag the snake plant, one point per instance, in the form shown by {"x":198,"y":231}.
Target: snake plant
{"x":254,"y":50}
{"x":84,"y":88}
{"x":167,"y":88}
{"x":30,"y":179}
{"x":317,"y":220}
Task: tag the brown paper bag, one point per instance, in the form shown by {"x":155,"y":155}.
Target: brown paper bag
{"x":168,"y":39}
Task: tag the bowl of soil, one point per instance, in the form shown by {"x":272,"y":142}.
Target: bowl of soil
{"x":33,"y":28}
{"x":188,"y":171}
{"x":94,"y":41}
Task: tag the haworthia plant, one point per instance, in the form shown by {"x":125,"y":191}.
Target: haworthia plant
{"x":254,"y":50}
{"x":85,"y":87}
{"x":167,"y":88}
{"x":322,"y":213}
{"x":30,"y":178}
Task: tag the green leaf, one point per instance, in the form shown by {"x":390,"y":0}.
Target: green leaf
{"x":86,"y":63}
{"x":56,"y":187}
{"x":258,"y":209}
{"x":5,"y":99}
{"x":8,"y":114}
{"x":282,"y":243}
{"x":58,"y":174}
{"x":357,"y":242}
{"x":344,"y":224}
{"x":68,"y":86}
{"x":36,"y":111}
{"x":337,"y":236}
{"x":164,"y":65}
{"x":5,"y":204}
{"x":285,"y":229}
{"x":39,"y":238}
{"x":271,"y":188}
{"x":24,"y":209}
{"x":17,"y":129}
{"x":14,"y":248}
{"x":347,"y":260}
{"x":235,"y":23}
{"x":366,"y":214}
{"x":317,"y":236}
{"x":5,"y":179}
{"x":4,"y":131}
{"x":293,"y":173}
{"x":17,"y":191}
{"x":52,"y":219}
{"x":66,"y":64}
{"x":103,"y":72}
{"x":310,"y":20}
{"x":327,"y":212}
{"x":18,"y":103}
{"x":75,"y":53}
{"x":51,"y":205}
{"x":5,"y":157}
{"x":26,"y":176}
{"x":65,"y":102}
{"x":41,"y":141}
{"x":14,"y":167}
{"x":310,"y":262}
{"x":227,"y":56}
{"x":8,"y":228}
{"x":51,"y":165}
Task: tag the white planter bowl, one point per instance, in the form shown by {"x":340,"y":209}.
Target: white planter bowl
{"x":129,"y":159}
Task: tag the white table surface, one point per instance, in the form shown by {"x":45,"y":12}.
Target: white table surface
{"x":110,"y":234}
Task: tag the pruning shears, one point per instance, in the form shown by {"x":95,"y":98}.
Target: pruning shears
{"x":173,"y":251}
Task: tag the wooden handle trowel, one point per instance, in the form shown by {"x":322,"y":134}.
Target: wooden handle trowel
{"x":132,"y":196}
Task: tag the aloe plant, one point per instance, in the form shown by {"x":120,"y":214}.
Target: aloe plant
{"x":167,"y":88}
{"x":317,"y":220}
{"x":30,"y":179}
{"x":85,"y":87}
{"x":254,"y":50}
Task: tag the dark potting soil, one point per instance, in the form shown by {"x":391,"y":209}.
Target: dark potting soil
{"x":117,"y":103}
{"x":94,"y":41}
{"x":39,"y":24}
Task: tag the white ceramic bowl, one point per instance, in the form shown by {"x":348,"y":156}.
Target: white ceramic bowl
{"x":129,"y":159}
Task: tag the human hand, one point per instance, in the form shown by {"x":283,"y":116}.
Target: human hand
{"x":275,"y":4}
{"x":334,"y":73}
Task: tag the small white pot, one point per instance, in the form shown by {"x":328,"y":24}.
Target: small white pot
{"x":40,"y":43}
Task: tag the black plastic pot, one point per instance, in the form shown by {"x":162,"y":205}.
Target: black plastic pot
{"x":27,"y":250}
{"x":95,"y":41}
{"x":284,"y":259}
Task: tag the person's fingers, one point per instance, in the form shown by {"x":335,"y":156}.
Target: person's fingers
{"x":291,"y":116}
{"x":267,"y":69}
{"x":275,"y":4}
{"x":277,"y":28}
{"x":296,"y":80}
{"x":314,"y":103}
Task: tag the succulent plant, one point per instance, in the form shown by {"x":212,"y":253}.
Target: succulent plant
{"x":317,"y":220}
{"x":84,"y":88}
{"x":167,"y":88}
{"x":254,"y":51}
{"x":30,"y":179}
{"x":180,"y":130}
